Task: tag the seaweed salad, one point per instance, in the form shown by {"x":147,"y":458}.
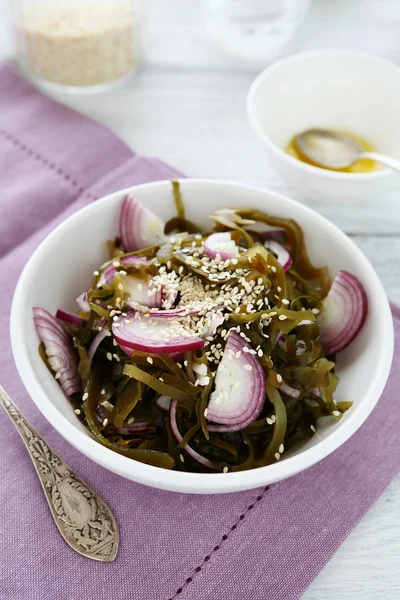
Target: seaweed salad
{"x":204,"y":350}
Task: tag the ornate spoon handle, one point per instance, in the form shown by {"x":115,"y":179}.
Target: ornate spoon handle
{"x":83,"y":519}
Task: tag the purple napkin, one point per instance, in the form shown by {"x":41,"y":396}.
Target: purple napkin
{"x":262,"y":544}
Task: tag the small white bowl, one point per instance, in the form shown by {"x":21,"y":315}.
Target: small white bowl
{"x":60,"y":269}
{"x":336,"y":89}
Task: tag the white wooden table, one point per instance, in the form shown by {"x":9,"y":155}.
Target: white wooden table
{"x":188,"y":108}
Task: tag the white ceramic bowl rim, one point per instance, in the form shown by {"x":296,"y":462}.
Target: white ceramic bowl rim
{"x":165,"y":479}
{"x":254,"y":122}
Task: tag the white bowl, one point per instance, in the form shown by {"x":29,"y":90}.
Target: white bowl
{"x":336,"y":89}
{"x":59,"y":270}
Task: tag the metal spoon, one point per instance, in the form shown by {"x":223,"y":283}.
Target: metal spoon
{"x":82,"y":517}
{"x":332,"y":150}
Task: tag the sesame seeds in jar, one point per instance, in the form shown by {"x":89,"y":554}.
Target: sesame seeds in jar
{"x":79,"y":43}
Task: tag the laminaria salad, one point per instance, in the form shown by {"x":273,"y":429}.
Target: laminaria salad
{"x":204,"y":351}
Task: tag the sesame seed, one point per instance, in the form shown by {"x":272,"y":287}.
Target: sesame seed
{"x":273,"y":418}
{"x":128,"y":321}
{"x":115,"y":318}
{"x":85,"y":396}
{"x":285,"y":301}
{"x":279,"y":378}
{"x":205,"y":412}
{"x":312,"y":428}
{"x":281,"y":448}
{"x":95,"y":273}
{"x":278,"y":288}
{"x":105,"y":421}
{"x":120,"y":286}
{"x":130,"y":420}
{"x":181,"y":457}
{"x":116,"y":263}
{"x":336,"y":413}
{"x":269,"y":420}
{"x":277,"y":455}
{"x":259,"y":280}
{"x":77,"y":411}
{"x":109,"y":355}
{"x":272,"y":314}
{"x":260,"y":353}
{"x":225,"y":470}
{"x":117,"y":358}
{"x":150,"y":360}
{"x":315,"y":311}
{"x":282,"y":317}
{"x":248,"y":367}
{"x":112,"y":313}
{"x":273,"y":269}
{"x":57,"y":376}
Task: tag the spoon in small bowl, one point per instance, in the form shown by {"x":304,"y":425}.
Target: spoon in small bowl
{"x":336,"y":151}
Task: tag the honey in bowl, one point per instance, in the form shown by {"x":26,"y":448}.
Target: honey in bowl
{"x":364,"y":165}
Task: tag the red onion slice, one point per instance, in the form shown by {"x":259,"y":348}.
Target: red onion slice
{"x":158,"y":336}
{"x":68,"y":317}
{"x":188,"y":449}
{"x":138,"y":291}
{"x":222,"y":244}
{"x":277,"y":235}
{"x":344,"y":312}
{"x":109,"y":272}
{"x":141,"y":293}
{"x":215,"y":322}
{"x":99,"y":337}
{"x":139,"y":227}
{"x":239,"y":394}
{"x":131,"y":429}
{"x":60,"y":353}
{"x":282,"y":255}
{"x":289,"y":391}
{"x":82,"y":302}
{"x":173,"y":313}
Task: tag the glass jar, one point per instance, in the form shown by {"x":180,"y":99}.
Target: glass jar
{"x":78,"y":45}
{"x":255,"y":31}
